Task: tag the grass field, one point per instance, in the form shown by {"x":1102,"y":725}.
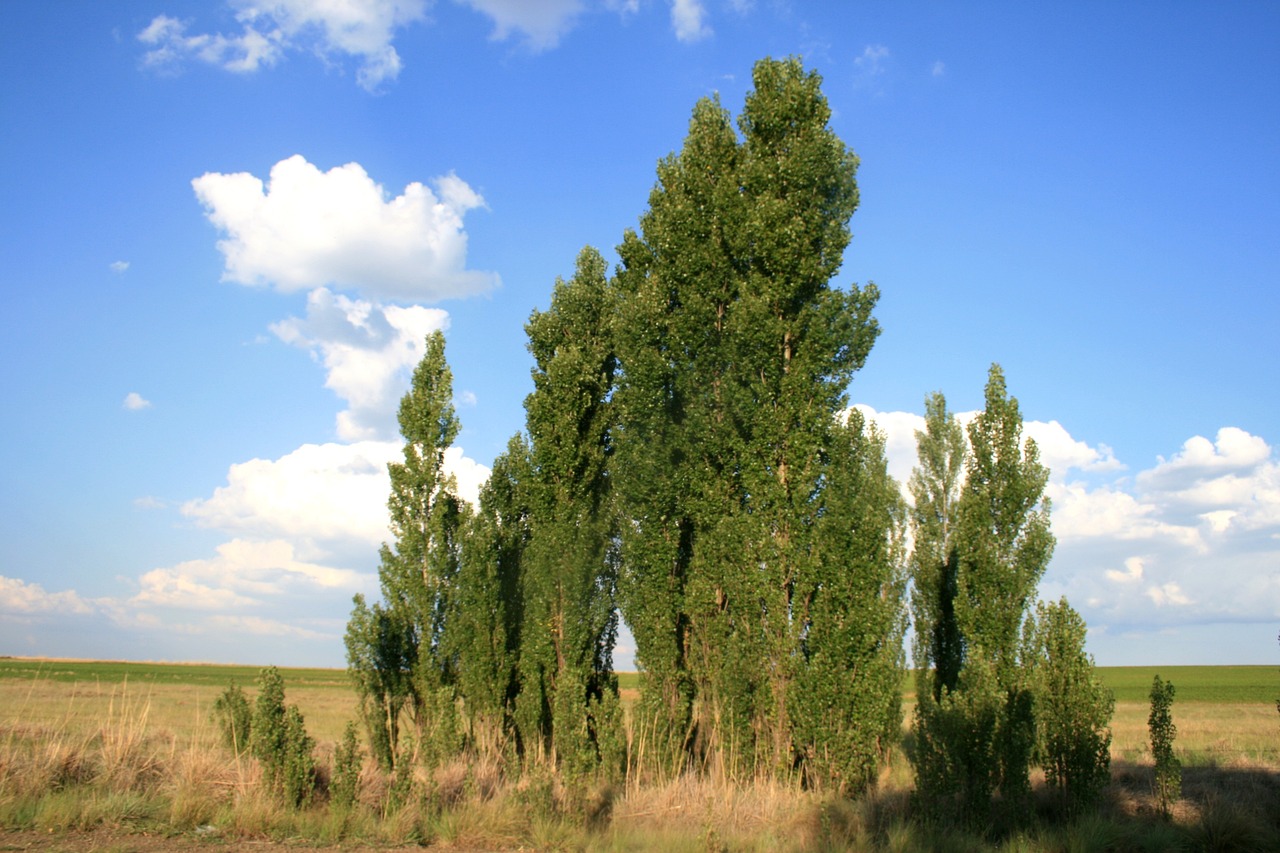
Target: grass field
{"x":130,"y":747}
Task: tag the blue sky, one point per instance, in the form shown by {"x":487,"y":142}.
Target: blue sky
{"x":228,"y":226}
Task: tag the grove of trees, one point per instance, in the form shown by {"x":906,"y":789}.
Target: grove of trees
{"x":690,"y":464}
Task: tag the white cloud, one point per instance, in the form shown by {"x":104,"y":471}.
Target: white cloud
{"x":1060,"y":452}
{"x":149,"y":502}
{"x":870,"y":67}
{"x":241,"y":575}
{"x":1235,"y":450}
{"x":368,"y":352}
{"x":119,"y":267}
{"x":1169,"y":593}
{"x":469,"y":474}
{"x":318,"y":492}
{"x":363,"y":29}
{"x":171,"y":47}
{"x":306,"y":229}
{"x":1110,"y":512}
{"x":17,"y":597}
{"x":689,"y":20}
{"x":1132,"y":571}
{"x":939,"y":69}
{"x":542,"y":22}
{"x":258,"y":626}
{"x":134,"y":402}
{"x":328,"y":493}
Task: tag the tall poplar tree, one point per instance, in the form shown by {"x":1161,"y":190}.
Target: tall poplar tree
{"x":568,"y":707}
{"x":735,"y":353}
{"x":397,"y":652}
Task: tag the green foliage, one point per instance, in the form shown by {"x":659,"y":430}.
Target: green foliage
{"x":280,"y":742}
{"x":490,"y":601}
{"x":570,"y":567}
{"x":344,"y":781}
{"x":1073,"y":709}
{"x":957,"y":753}
{"x":380,"y":658}
{"x":735,"y":354}
{"x":977,"y":563}
{"x":935,"y":491}
{"x":845,"y":702}
{"x":1168,"y":769}
{"x":398,"y":653}
{"x":234,"y":718}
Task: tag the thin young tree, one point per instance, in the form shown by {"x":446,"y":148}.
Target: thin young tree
{"x":935,"y":487}
{"x":397,"y":652}
{"x":489,"y":616}
{"x":1163,"y":731}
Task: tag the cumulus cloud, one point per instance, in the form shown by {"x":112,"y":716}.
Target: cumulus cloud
{"x":134,"y":402}
{"x":1232,"y":483}
{"x":542,"y":22}
{"x":333,"y":494}
{"x":318,"y":492}
{"x":305,"y":228}
{"x":1060,"y":452}
{"x":242,"y":574}
{"x":368,"y":352}
{"x":689,"y":20}
{"x":363,"y":29}
{"x":17,"y":597}
{"x":119,"y":267}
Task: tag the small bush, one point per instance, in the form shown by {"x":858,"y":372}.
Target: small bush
{"x":280,"y":742}
{"x":344,"y":785}
{"x":234,"y":718}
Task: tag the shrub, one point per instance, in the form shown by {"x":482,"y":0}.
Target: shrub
{"x":280,"y":742}
{"x":1168,"y":771}
{"x":234,"y":718}
{"x":1073,"y":709}
{"x":345,"y":781}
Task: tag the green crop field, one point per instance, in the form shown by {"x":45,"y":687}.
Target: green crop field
{"x":118,"y":672}
{"x":1215,"y":684}
{"x":1212,"y":684}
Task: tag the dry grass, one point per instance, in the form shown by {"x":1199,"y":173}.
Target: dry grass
{"x":80,"y":756}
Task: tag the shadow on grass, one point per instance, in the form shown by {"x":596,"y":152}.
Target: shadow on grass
{"x":1222,"y":808}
